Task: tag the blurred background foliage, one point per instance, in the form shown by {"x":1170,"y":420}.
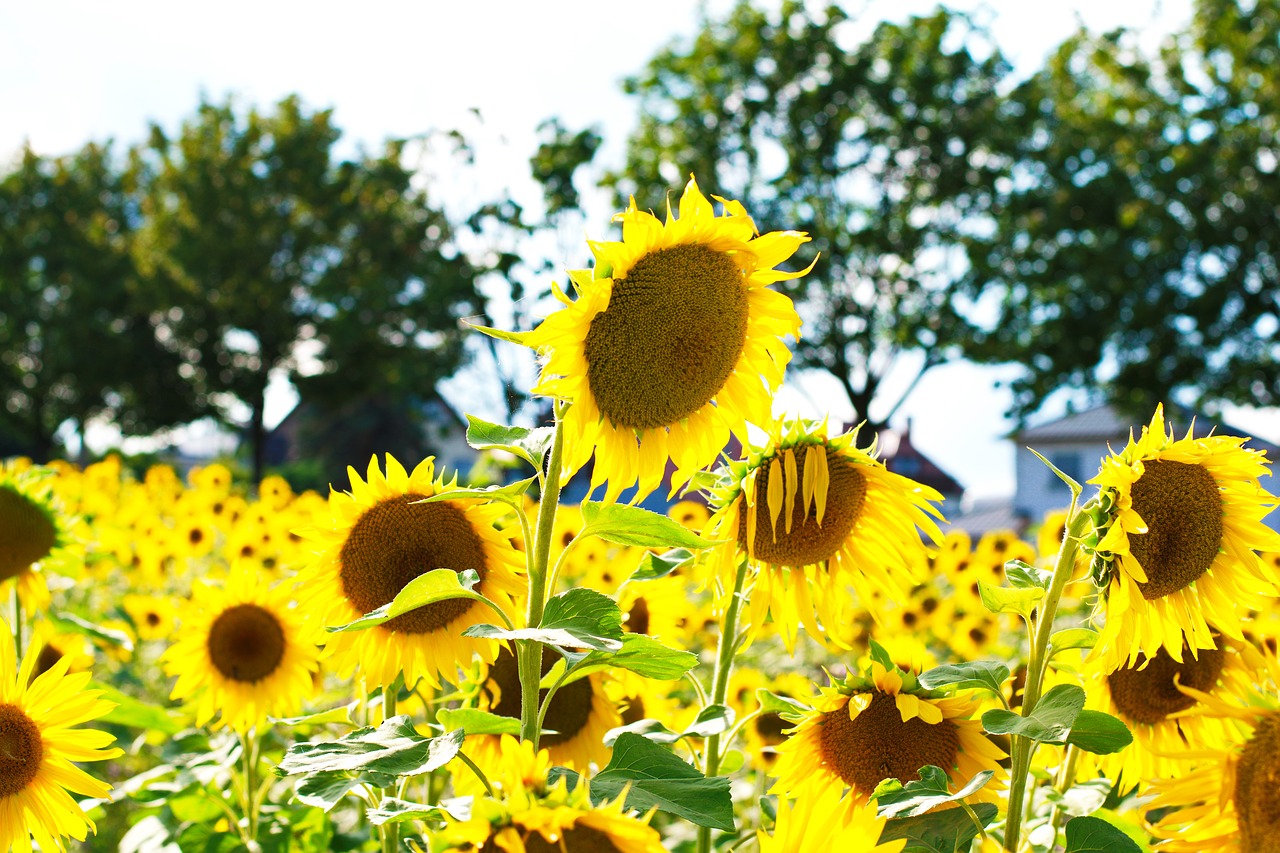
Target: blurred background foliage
{"x":1107,"y":222}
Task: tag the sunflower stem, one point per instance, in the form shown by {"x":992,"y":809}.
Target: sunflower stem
{"x":390,"y":829}
{"x":529,"y":652}
{"x":1022,"y":748}
{"x":17,"y":622}
{"x":249,"y":755}
{"x":720,"y":682}
{"x":1065,"y":778}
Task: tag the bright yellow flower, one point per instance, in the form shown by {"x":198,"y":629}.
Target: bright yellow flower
{"x":820,"y":822}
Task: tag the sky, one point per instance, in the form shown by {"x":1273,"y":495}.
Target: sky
{"x":71,"y":72}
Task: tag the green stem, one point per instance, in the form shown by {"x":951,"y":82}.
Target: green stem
{"x":484,"y":780}
{"x":249,"y":754}
{"x":17,"y":623}
{"x":1023,"y":749}
{"x":390,"y":830}
{"x":720,"y":682}
{"x":1066,"y":777}
{"x":529,"y":652}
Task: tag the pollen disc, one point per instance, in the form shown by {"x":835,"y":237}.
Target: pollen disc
{"x":21,"y":750}
{"x":808,"y":542}
{"x":576,"y":839}
{"x":26,"y":534}
{"x":246,"y":643}
{"x":395,"y":541}
{"x":1150,"y":695}
{"x":878,"y":745}
{"x":1183,"y":513}
{"x":570,"y":708}
{"x":670,"y":338}
{"x":1257,"y":793}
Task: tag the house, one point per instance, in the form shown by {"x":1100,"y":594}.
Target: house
{"x":901,"y":457}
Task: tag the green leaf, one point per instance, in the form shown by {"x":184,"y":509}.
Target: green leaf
{"x":654,"y":778}
{"x":531,"y":445}
{"x":631,"y":525}
{"x":983,"y":674}
{"x":1094,"y":835}
{"x":642,"y":655}
{"x":579,"y":618}
{"x":788,"y":708}
{"x":394,"y":748}
{"x":476,"y":722}
{"x":341,"y":714}
{"x":945,"y":831}
{"x":1080,"y":799}
{"x":73,"y":624}
{"x":501,"y":334}
{"x":1003,"y":599}
{"x":510,"y":493}
{"x":653,"y":566}
{"x":391,"y":810}
{"x":654,"y":730}
{"x":1075,"y":487}
{"x":326,"y":789}
{"x":711,"y":720}
{"x":1072,"y":638}
{"x":428,"y":588}
{"x":1049,"y":722}
{"x":926,"y":793}
{"x":135,"y":713}
{"x":1023,"y":575}
{"x":1099,"y":733}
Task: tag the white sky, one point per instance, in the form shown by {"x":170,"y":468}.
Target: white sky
{"x":71,"y":72}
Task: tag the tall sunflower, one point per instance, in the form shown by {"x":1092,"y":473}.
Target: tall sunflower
{"x":379,"y":537}
{"x":243,"y":650}
{"x":822,"y":822}
{"x":1174,"y":540}
{"x":816,"y":514}
{"x":878,"y":725}
{"x":38,"y":743}
{"x":673,"y":342}
{"x":34,"y":533}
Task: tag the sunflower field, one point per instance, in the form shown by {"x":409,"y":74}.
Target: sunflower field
{"x":799,"y":656}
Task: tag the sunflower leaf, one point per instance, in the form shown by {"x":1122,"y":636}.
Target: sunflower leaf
{"x":341,"y":714}
{"x":73,"y":624}
{"x":932,"y":789}
{"x":476,"y":722}
{"x":391,"y":810}
{"x":1023,"y":575}
{"x":531,"y":445}
{"x":576,"y":619}
{"x":1072,"y":638}
{"x":135,"y":713}
{"x":1049,"y":722}
{"x":428,"y":588}
{"x":558,"y":638}
{"x":394,"y":748}
{"x":631,"y":525}
{"x":1003,"y":599}
{"x":501,"y":334}
{"x":1099,"y":733}
{"x":325,"y":790}
{"x":1095,"y":835}
{"x":653,"y":777}
{"x":789,"y":709}
{"x":653,"y":730}
{"x":510,"y":493}
{"x":945,"y":831}
{"x":1075,"y":487}
{"x":653,"y":566}
{"x":982,"y":674}
{"x":711,"y":720}
{"x":642,"y":655}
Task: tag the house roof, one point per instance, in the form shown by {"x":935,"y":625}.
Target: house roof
{"x":988,"y":515}
{"x":1105,"y":423}
{"x":901,"y":457}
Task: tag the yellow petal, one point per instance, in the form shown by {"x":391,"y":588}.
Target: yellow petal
{"x":775,"y":494}
{"x":789,"y":458}
{"x":821,"y":483}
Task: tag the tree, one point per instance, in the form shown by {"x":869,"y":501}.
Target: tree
{"x":887,"y":153}
{"x":256,"y":242}
{"x":74,"y":341}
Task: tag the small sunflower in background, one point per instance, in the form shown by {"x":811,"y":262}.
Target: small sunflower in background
{"x":152,"y":615}
{"x":1175,"y":533}
{"x":34,"y":533}
{"x":39,"y":740}
{"x":819,"y":821}
{"x":673,"y":342}
{"x":378,"y":538}
{"x":881,"y":724}
{"x":244,"y":651}
{"x":1049,"y":535}
{"x":815,"y":515}
{"x":51,"y":646}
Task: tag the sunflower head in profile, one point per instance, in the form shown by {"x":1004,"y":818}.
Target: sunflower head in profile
{"x":528,"y":815}
{"x":880,"y":724}
{"x":819,"y":821}
{"x":1175,"y":533}
{"x":816,"y":514}
{"x":378,"y":538}
{"x":673,"y":342}
{"x":34,"y":533}
{"x":244,"y":650}
{"x":39,"y":740}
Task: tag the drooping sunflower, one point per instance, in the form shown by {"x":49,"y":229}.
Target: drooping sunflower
{"x":39,"y":740}
{"x":382,"y":535}
{"x":822,"y":822}
{"x":815,"y":515}
{"x":530,"y":816}
{"x":244,"y":650}
{"x":1175,"y":533}
{"x":34,"y":533}
{"x":673,"y":342}
{"x":882,"y":724}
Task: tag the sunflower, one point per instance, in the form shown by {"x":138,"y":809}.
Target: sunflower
{"x":530,"y":816}
{"x":38,"y":744}
{"x":673,"y":342}
{"x":382,"y":535}
{"x":822,"y":822}
{"x":881,"y":724}
{"x":580,"y":714}
{"x":243,"y":650}
{"x":818,"y":513}
{"x":1176,"y":527}
{"x":34,"y":533}
{"x":152,"y":615}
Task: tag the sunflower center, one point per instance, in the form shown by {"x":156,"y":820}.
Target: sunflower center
{"x":570,"y":708}
{"x":1183,"y":512}
{"x":670,"y":338}
{"x":246,"y":643}
{"x":49,"y":655}
{"x":395,"y":541}
{"x":637,"y":621}
{"x":1150,"y":695}
{"x":21,"y":750}
{"x":1257,"y":793}
{"x":808,"y":542}
{"x":771,"y":728}
{"x":878,"y":745}
{"x":26,"y":534}
{"x":576,"y":839}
